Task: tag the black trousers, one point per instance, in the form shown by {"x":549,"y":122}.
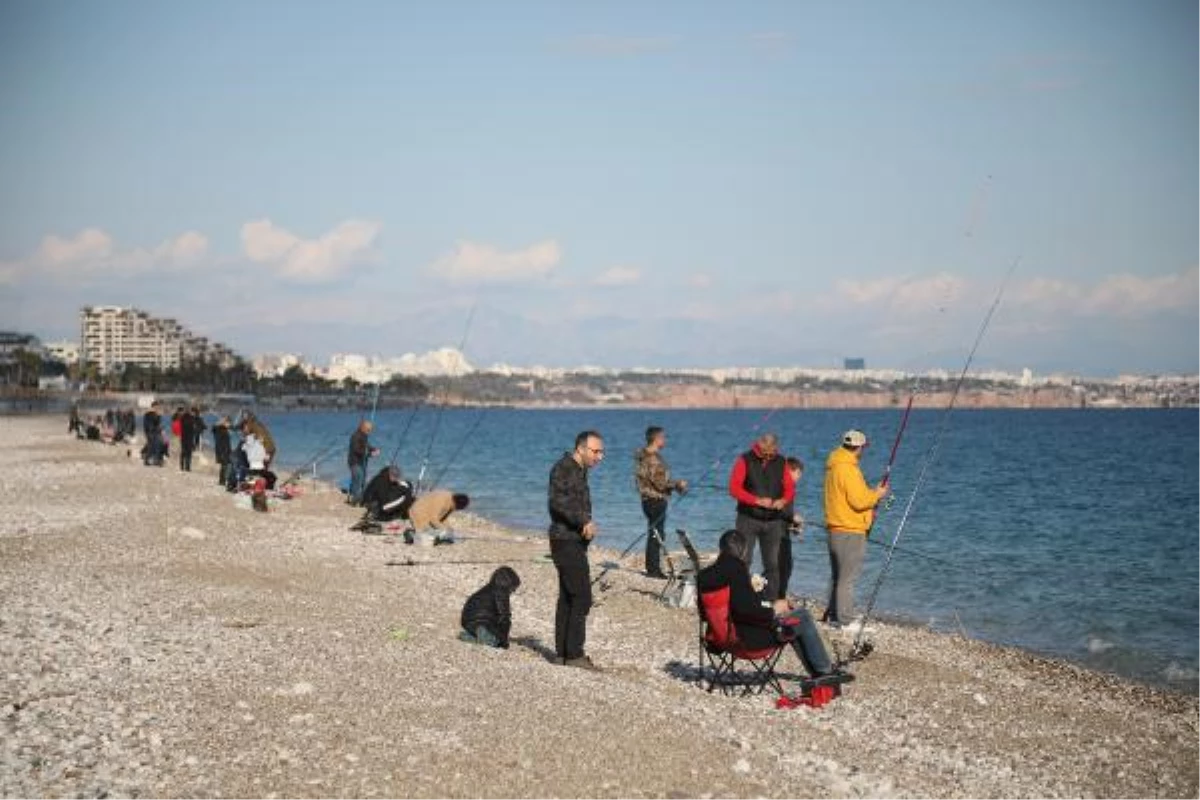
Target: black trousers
{"x":574,"y":596}
{"x":785,"y":564}
{"x":656,"y":520}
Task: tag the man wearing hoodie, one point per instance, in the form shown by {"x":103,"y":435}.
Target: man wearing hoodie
{"x":849,"y":511}
{"x":654,"y":485}
{"x":763,"y":488}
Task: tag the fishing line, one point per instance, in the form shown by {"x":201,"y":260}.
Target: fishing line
{"x":861,"y":648}
{"x":458,"y":450}
{"x":437,"y":420}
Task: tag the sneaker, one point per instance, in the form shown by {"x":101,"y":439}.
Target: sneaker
{"x":583,"y":662}
{"x":856,"y":627}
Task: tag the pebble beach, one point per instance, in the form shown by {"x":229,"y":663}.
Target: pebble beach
{"x":157,"y":639}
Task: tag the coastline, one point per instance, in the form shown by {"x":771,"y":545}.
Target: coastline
{"x":158,"y":640}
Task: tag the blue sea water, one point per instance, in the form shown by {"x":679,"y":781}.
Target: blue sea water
{"x":1071,"y":533}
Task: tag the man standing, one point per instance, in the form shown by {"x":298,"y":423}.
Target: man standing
{"x":654,"y":484}
{"x":222,"y":448}
{"x":763,"y":488}
{"x":849,"y":511}
{"x":360,"y":452}
{"x":187,"y":439}
{"x":571,"y":531}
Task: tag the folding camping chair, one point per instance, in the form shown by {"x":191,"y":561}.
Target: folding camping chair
{"x":720,"y":651}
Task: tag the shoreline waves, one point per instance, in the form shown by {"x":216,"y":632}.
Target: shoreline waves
{"x":158,"y":640}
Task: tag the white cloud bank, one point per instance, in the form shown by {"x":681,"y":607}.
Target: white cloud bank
{"x":320,"y":260}
{"x":93,"y":254}
{"x":1122,"y":295}
{"x":618,"y":276}
{"x":470,"y":262}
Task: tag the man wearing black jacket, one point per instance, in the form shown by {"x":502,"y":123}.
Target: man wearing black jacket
{"x":222,"y":449}
{"x":752,"y":613}
{"x":571,"y":531}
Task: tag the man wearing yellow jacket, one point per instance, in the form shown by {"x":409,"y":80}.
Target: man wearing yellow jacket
{"x":849,"y":511}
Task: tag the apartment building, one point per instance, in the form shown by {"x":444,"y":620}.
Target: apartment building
{"x":112,"y":336}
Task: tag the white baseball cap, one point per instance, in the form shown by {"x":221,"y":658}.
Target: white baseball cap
{"x":854,"y":438}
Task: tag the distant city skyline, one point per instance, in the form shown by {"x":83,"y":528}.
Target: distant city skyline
{"x":675,"y":185}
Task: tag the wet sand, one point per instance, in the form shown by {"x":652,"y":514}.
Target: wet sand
{"x":157,"y":640}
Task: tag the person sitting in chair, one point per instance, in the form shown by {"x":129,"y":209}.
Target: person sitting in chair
{"x":752,"y":613}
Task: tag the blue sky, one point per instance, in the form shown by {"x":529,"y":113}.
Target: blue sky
{"x":690,"y":184}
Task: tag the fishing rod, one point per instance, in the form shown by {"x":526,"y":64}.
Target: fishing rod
{"x":437,"y":420}
{"x":887,"y":470}
{"x":458,"y":450}
{"x":907,"y":551}
{"x":320,"y":454}
{"x":861,"y":648}
{"x":657,"y":523}
{"x":404,"y":432}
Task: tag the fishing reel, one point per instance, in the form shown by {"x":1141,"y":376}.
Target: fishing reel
{"x":860,"y":650}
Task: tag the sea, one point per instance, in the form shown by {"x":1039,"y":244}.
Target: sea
{"x":1069,"y":533}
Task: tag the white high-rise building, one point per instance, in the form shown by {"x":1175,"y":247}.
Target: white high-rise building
{"x":111,"y":337}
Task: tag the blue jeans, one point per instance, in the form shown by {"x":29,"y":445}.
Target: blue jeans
{"x":798,"y":627}
{"x":481,"y":636}
{"x":358,"y":481}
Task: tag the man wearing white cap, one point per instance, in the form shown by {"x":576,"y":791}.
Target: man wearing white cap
{"x":849,"y":511}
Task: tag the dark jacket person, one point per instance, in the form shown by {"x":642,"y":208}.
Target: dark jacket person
{"x":571,"y":531}
{"x":754,"y":621}
{"x":487,"y":614}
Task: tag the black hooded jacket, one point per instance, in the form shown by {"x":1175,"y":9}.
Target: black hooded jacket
{"x":490,"y":605}
{"x":753,"y":621}
{"x":388,"y":499}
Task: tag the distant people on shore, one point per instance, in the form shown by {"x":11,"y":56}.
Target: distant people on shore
{"x":654,"y":485}
{"x":572,"y":529}
{"x":252,"y":424}
{"x":73,"y":420}
{"x":152,"y":428}
{"x":198,"y":429}
{"x":187,"y":438}
{"x":357,"y":456}
{"x":487,"y":615}
{"x":763,"y":488}
{"x":849,"y":511}
{"x":222,"y":449}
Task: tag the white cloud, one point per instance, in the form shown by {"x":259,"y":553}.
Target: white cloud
{"x":93,"y":254}
{"x":700,"y":280}
{"x":911,"y":295}
{"x":618,"y":276}
{"x":309,"y":260}
{"x":1121,"y":295}
{"x":482,"y":263}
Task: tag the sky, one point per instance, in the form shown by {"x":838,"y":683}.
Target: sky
{"x":622,"y":184}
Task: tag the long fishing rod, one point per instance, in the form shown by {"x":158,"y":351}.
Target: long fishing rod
{"x":458,"y":450}
{"x":861,"y":648}
{"x":657,"y":523}
{"x":887,"y":470}
{"x":319,"y":455}
{"x":404,"y":432}
{"x":437,"y":420}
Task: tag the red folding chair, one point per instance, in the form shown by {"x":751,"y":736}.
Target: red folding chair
{"x":720,"y":651}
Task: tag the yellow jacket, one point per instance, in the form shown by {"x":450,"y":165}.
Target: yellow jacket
{"x":849,"y":501}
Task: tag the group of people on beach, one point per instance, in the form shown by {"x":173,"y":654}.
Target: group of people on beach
{"x":390,"y":499}
{"x":246,"y":461}
{"x":762,"y":483}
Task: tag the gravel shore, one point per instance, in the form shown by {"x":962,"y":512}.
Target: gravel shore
{"x":157,"y":640}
